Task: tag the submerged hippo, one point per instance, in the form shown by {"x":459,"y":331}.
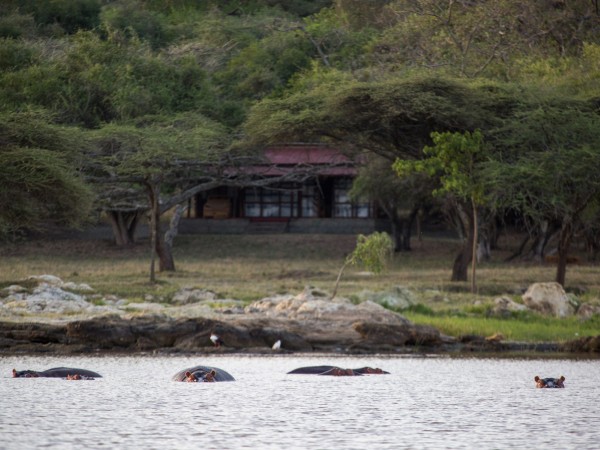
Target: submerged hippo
{"x":549,"y":382}
{"x":57,"y":372}
{"x":200,"y":374}
{"x":338,"y":371}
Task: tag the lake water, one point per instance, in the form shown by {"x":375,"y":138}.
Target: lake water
{"x":425,"y":403}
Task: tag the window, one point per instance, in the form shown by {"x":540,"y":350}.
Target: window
{"x":343,"y":206}
{"x":310,"y":201}
{"x":281,"y":201}
{"x":307,"y":200}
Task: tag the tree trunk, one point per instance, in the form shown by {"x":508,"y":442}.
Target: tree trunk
{"x":170,"y":236}
{"x":546,"y":233}
{"x":461,"y":264}
{"x":474,"y":247}
{"x":463,"y":259}
{"x":339,"y":277}
{"x":154,"y":224}
{"x":592,"y":244}
{"x":396,"y":234}
{"x":408,"y":229}
{"x":159,"y":249}
{"x":124,"y":225}
{"x":564,"y":242}
{"x":165,"y":256}
{"x":401,"y":228}
{"x":487,"y":235}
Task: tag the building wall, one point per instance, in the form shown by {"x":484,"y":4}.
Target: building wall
{"x":297,"y":225}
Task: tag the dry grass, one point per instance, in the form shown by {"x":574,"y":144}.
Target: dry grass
{"x":248,"y":267}
{"x":253,"y":266}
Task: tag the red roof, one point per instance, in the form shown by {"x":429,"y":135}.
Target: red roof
{"x":289,"y":158}
{"x":305,"y":154}
{"x":285,"y":157}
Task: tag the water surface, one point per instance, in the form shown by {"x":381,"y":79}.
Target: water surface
{"x":425,"y":403}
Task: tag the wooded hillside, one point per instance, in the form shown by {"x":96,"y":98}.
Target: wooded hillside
{"x":128,"y":106}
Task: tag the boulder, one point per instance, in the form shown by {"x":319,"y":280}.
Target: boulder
{"x":78,"y":287}
{"x":506,"y":305}
{"x":307,"y":307}
{"x":397,"y":298}
{"x":339,"y":323}
{"x":586,"y":311}
{"x":47,"y":299}
{"x":192,"y":295}
{"x":48,"y":279}
{"x":11,"y":290}
{"x":548,"y":298}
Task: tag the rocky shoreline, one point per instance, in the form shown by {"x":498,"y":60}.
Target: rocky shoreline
{"x":149,"y":334}
{"x":309,"y":322}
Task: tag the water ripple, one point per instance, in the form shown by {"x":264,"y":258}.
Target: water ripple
{"x":425,"y":403}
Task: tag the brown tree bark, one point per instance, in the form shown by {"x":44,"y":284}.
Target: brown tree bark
{"x":464,"y":257}
{"x":124,"y":225}
{"x":168,"y":263}
{"x":564,"y":242}
{"x":474,"y":247}
{"x":402,"y":231}
{"x":154,"y":223}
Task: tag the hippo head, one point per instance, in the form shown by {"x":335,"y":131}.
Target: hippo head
{"x":549,"y":382}
{"x":200,"y":376}
{"x":24,"y":374}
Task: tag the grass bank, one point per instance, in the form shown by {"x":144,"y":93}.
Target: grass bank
{"x":248,"y":267}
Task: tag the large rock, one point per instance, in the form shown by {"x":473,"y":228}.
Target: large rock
{"x":308,"y":307}
{"x":191,"y":295}
{"x":338,"y":322}
{"x":504,"y":306}
{"x":548,"y":298}
{"x":397,"y":298}
{"x":586,"y":311}
{"x":48,"y":297}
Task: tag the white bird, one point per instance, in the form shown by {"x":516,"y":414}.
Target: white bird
{"x":277,"y":345}
{"x":216,"y":340}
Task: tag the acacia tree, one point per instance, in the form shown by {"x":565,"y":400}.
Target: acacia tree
{"x":168,"y":161}
{"x":40,"y":182}
{"x":552,"y":178}
{"x":391,"y":118}
{"x":156,"y":156}
{"x":456,"y":159}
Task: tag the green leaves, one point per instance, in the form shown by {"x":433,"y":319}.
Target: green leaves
{"x":373,"y":251}
{"x":455,"y":159}
{"x":159,"y":146}
{"x":39,"y":181}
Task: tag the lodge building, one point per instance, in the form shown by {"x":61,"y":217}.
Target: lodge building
{"x":319,"y":204}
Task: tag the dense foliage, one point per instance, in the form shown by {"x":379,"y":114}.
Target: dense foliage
{"x":378,"y":77}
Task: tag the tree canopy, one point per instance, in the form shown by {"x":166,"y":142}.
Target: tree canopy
{"x":40,"y":177}
{"x":376,"y":78}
